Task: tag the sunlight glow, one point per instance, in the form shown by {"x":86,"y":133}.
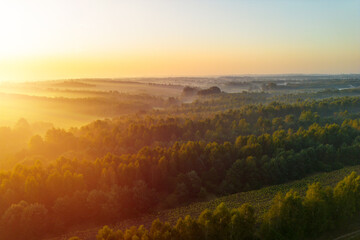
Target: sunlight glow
{"x":65,"y":39}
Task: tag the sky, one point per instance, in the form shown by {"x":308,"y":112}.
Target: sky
{"x":50,"y":39}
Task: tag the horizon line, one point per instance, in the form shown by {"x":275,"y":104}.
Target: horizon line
{"x":183,"y":76}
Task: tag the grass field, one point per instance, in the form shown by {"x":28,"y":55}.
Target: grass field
{"x":260,"y":199}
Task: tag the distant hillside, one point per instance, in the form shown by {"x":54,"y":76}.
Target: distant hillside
{"x":73,"y":84}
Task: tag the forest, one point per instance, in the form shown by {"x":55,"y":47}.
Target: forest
{"x":172,"y":150}
{"x":179,"y":120}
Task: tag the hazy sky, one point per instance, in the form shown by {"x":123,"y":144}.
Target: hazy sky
{"x":51,"y":39}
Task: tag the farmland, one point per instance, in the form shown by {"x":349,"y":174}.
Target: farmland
{"x":261,"y":200}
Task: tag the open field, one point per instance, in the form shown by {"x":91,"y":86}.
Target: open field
{"x":75,"y":103}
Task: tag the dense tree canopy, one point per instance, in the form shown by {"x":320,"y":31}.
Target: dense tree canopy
{"x":112,"y":170}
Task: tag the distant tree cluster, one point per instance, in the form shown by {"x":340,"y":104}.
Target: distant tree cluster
{"x":209,"y":91}
{"x":191,"y":91}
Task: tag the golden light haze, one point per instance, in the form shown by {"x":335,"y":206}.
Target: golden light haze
{"x":66,"y":39}
{"x":176,"y":65}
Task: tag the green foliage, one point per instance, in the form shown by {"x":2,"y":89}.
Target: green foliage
{"x":347,"y":195}
{"x":318,"y":205}
{"x":107,"y":233}
{"x":285,"y":218}
{"x":24,"y":220}
{"x":292,"y":217}
{"x":289,"y":217}
{"x":222,"y":223}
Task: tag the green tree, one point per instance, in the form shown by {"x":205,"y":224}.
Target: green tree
{"x":285,"y":218}
{"x":243,"y":222}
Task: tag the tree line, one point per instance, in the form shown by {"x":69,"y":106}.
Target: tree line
{"x":290,"y":217}
{"x":129,"y":135}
